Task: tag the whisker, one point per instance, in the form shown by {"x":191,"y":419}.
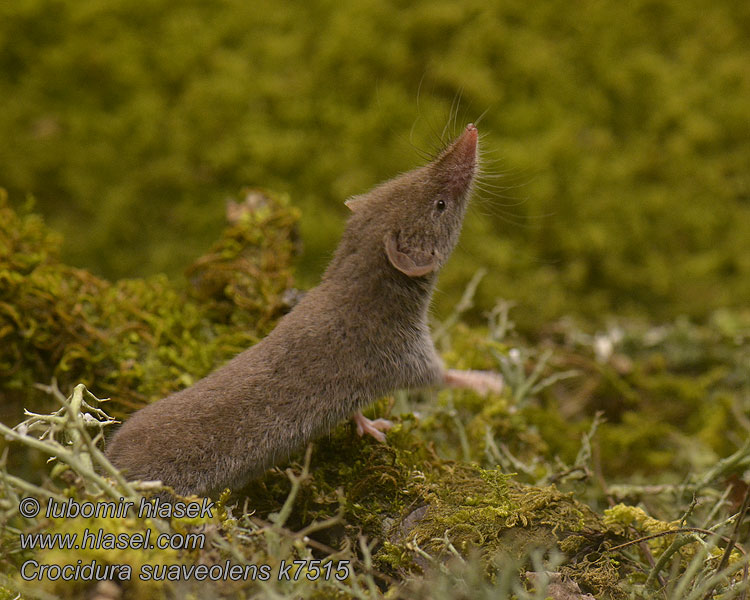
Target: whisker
{"x":480,"y":117}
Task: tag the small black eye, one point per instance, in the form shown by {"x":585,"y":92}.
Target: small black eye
{"x":440,"y":205}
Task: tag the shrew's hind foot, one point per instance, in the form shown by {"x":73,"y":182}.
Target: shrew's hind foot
{"x":374,"y":428}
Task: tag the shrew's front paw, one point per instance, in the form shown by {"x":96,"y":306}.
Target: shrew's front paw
{"x":482,"y":382}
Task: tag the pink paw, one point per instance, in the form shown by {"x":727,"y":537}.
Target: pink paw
{"x":374,"y":428}
{"x":482,"y":382}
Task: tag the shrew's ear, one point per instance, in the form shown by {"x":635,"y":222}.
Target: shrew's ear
{"x":355,"y":202}
{"x":413,"y":263}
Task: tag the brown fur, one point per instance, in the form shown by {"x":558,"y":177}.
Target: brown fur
{"x":359,"y":335}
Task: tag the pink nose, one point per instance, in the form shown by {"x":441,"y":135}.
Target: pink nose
{"x":466,"y":144}
{"x":457,"y":164}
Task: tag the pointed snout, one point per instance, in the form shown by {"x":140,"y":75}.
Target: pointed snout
{"x":458,"y":162}
{"x":465,"y":147}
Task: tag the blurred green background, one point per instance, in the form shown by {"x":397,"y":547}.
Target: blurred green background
{"x":617,"y":135}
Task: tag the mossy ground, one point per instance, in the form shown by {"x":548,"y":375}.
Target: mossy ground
{"x":467,"y":494}
{"x":138,"y":339}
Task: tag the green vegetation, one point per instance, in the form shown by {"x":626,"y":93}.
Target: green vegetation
{"x":138,"y":339}
{"x":620,"y":131}
{"x":611,"y":464}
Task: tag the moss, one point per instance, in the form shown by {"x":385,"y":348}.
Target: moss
{"x":625,"y":166}
{"x":673,"y":397}
{"x":244,"y":275}
{"x":660,"y":390}
{"x":601,"y":575}
{"x":621,"y":516}
{"x":7,"y":593}
{"x":407,"y":497}
{"x":137,"y":339}
{"x":471,"y":508}
{"x":135,"y":558}
{"x":375,"y":482}
{"x":506,"y":516}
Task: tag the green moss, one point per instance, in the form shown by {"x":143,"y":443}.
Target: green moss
{"x":405,"y":496}
{"x":623,"y":156}
{"x":135,"y":558}
{"x":463,"y":478}
{"x":473,"y":508}
{"x":137,"y":339}
{"x":7,"y":593}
